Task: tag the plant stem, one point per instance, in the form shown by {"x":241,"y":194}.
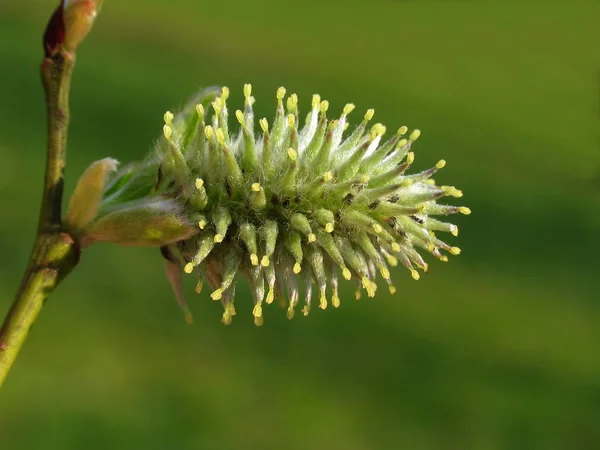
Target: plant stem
{"x":55,"y":252}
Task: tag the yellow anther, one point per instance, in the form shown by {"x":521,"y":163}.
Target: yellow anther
{"x":291,"y":119}
{"x":316,"y":101}
{"x":441,"y":164}
{"x":169,"y":118}
{"x":189,"y":268}
{"x":220,"y":136}
{"x":357,"y":295}
{"x":369,"y":115}
{"x":324,"y":106}
{"x":452,"y":191}
{"x":199,"y":183}
{"x":240,"y":117}
{"x":369,"y":286}
{"x":255,"y":187}
{"x":224,"y":94}
{"x":270,"y":296}
{"x":455,"y":251}
{"x":217,"y":105}
{"x":202,"y":224}
{"x":290,"y":312}
{"x":259,"y":321}
{"x":219,"y":238}
{"x":297,"y":268}
{"x":167,"y":131}
{"x":378,"y":228}
{"x":226,"y":318}
{"x":217,"y":295}
{"x":264,"y":124}
{"x":281,"y":93}
{"x":265,"y":261}
{"x":454,"y":230}
{"x":199,"y":286}
{"x":377,"y":130}
{"x":323,"y":300}
{"x":292,"y":154}
{"x":200,"y":109}
{"x":312,"y":237}
{"x":443,"y":258}
{"x":392,"y":260}
{"x":415,"y":274}
{"x":329,"y":227}
{"x":257,"y":311}
{"x":402,"y":143}
{"x":349,"y":108}
{"x":328,"y":176}
{"x":430,"y":182}
{"x":364,"y":179}
{"x":396,"y":247}
{"x":464,"y":210}
{"x":247,"y":90}
{"x":208,"y":132}
{"x":415,"y":135}
{"x":346,"y":273}
{"x":392,"y":289}
{"x":385,"y":273}
{"x":335,"y":300}
{"x":430,"y":247}
{"x":402,"y":130}
{"x":292,"y":102}
{"x":410,"y":158}
{"x":254,"y":259}
{"x":346,"y":125}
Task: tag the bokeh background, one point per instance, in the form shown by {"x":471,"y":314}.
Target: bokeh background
{"x":498,"y":349}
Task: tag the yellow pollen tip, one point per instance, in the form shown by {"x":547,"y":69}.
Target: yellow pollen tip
{"x":257,"y":311}
{"x":208,"y":132}
{"x":239,"y":115}
{"x":254,"y":259}
{"x":270,"y":296}
{"x":441,"y":164}
{"x":415,"y":274}
{"x":323,"y":301}
{"x":454,"y":230}
{"x":346,"y":273}
{"x":247,"y":90}
{"x":297,"y":268}
{"x":385,"y":273}
{"x":324,"y":106}
{"x":189,"y":268}
{"x":264,"y":124}
{"x":415,"y":135}
{"x":217,"y":106}
{"x":292,"y":154}
{"x":224,"y":93}
{"x":219,"y":238}
{"x":378,"y":229}
{"x":349,"y":108}
{"x":402,"y":143}
{"x":395,"y":247}
{"x":443,"y":258}
{"x":305,"y":310}
{"x":393,"y":289}
{"x":168,"y":118}
{"x":410,"y":158}
{"x":377,"y":130}
{"x":369,"y":286}
{"x":255,"y":187}
{"x":217,"y":295}
{"x":226,"y":318}
{"x":328,"y":176}
{"x":464,"y":210}
{"x":167,"y":131}
{"x":281,"y":93}
{"x":392,"y":261}
{"x":200,"y":110}
{"x":202,"y":224}
{"x":369,"y":115}
{"x":402,"y":130}
{"x":259,"y":321}
{"x":335,"y":300}
{"x":199,"y":183}
{"x":364,"y":179}
{"x":316,"y":101}
{"x":291,"y":119}
{"x":455,"y":251}
{"x":329,"y":227}
{"x":312,"y":237}
{"x":199,"y":286}
{"x":220,"y":136}
{"x":265,"y":261}
{"x":357,"y":295}
{"x":290,"y":312}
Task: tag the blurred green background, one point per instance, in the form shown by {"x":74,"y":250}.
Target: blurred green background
{"x":498,"y":349}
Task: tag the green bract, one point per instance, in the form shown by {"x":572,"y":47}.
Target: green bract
{"x":289,"y":207}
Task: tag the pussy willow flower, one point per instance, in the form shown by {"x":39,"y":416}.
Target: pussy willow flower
{"x":290,"y":205}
